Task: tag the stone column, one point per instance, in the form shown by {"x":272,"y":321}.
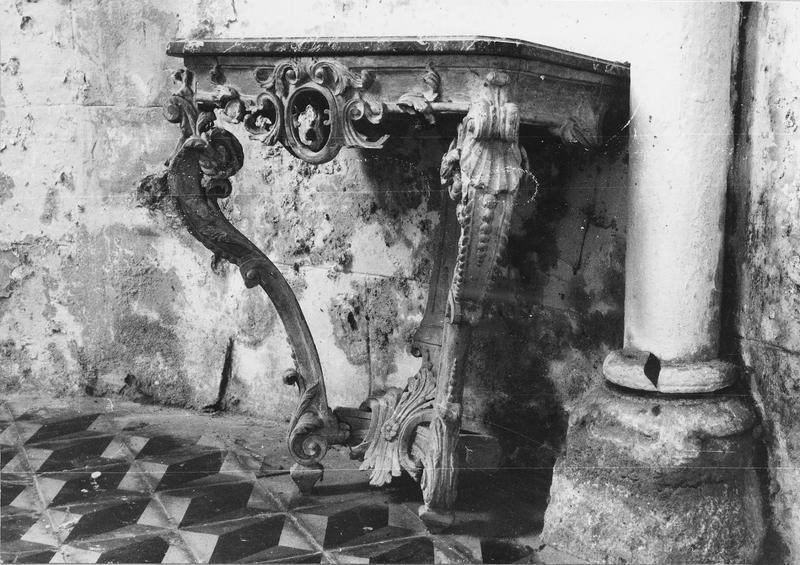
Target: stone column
{"x":680,"y":149}
{"x":658,"y":466}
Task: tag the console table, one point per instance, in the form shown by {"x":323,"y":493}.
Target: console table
{"x":315,"y":96}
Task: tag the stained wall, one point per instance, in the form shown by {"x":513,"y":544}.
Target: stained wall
{"x":103,"y":292}
{"x":763,"y":270}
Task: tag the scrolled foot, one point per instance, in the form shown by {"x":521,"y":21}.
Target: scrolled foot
{"x":305,"y":477}
{"x":436,"y":520}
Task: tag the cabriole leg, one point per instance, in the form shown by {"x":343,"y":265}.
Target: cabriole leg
{"x":197,"y":175}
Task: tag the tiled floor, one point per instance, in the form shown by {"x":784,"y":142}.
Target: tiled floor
{"x":96,"y":481}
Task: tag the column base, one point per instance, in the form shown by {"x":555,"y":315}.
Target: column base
{"x":641,"y":370}
{"x":655,"y":479}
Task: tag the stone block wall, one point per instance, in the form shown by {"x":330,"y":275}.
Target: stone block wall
{"x":103,"y":292}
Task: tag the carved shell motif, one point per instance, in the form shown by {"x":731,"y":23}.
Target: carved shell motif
{"x":490,"y":155}
{"x":482,"y":170}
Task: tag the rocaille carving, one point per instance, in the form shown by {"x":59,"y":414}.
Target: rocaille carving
{"x":312,"y":108}
{"x":198,"y":174}
{"x":482,"y":171}
{"x":386,"y":449}
{"x":420,"y":102}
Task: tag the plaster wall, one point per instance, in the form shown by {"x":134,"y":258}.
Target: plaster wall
{"x":103,"y":292}
{"x":763,"y":270}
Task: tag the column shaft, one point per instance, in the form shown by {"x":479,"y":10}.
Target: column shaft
{"x":681,"y":144}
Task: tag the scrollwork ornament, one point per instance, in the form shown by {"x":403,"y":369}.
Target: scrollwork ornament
{"x":198,"y":175}
{"x":313,"y":426}
{"x":358,"y":109}
{"x":317,"y":107}
{"x":338,"y":78}
{"x":282,"y":77}
{"x":482,"y":171}
{"x":265,"y":122}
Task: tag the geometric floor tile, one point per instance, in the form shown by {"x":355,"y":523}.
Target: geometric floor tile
{"x":82,"y":485}
{"x":173,"y":468}
{"x":408,"y":550}
{"x":337,"y":524}
{"x":114,"y":510}
{"x":7,"y":453}
{"x":130,"y":544}
{"x":65,"y":452}
{"x":142,"y":549}
{"x":233,"y":540}
{"x":10,"y":490}
{"x":210,"y":499}
{"x":25,"y":552}
{"x":15,"y":523}
{"x":281,"y":554}
{"x":27,"y":500}
{"x":27,"y":429}
{"x":128,"y":446}
{"x":156,"y":485}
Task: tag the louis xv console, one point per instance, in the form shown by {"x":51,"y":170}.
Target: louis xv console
{"x":315,"y":96}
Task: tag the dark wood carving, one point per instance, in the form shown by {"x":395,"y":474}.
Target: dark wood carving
{"x":482,"y":171}
{"x":312,"y":107}
{"x":198,"y":175}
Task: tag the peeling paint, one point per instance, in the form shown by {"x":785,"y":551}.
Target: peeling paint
{"x":6,"y":187}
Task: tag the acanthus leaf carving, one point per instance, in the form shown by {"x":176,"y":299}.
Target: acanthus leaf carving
{"x":313,"y":427}
{"x":281,"y":77}
{"x":387,"y":447}
{"x":420,"y":102}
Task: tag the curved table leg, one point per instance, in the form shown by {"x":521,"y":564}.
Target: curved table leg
{"x":197,"y":175}
{"x":483,"y":170}
{"x":418,"y":429}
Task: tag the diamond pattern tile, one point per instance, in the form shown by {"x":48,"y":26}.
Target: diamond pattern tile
{"x":174,"y":468}
{"x":337,"y":524}
{"x":26,"y":552}
{"x":68,"y":522}
{"x":141,"y":549}
{"x":207,"y":500}
{"x":101,"y":486}
{"x":414,"y":550}
{"x":236,"y":539}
